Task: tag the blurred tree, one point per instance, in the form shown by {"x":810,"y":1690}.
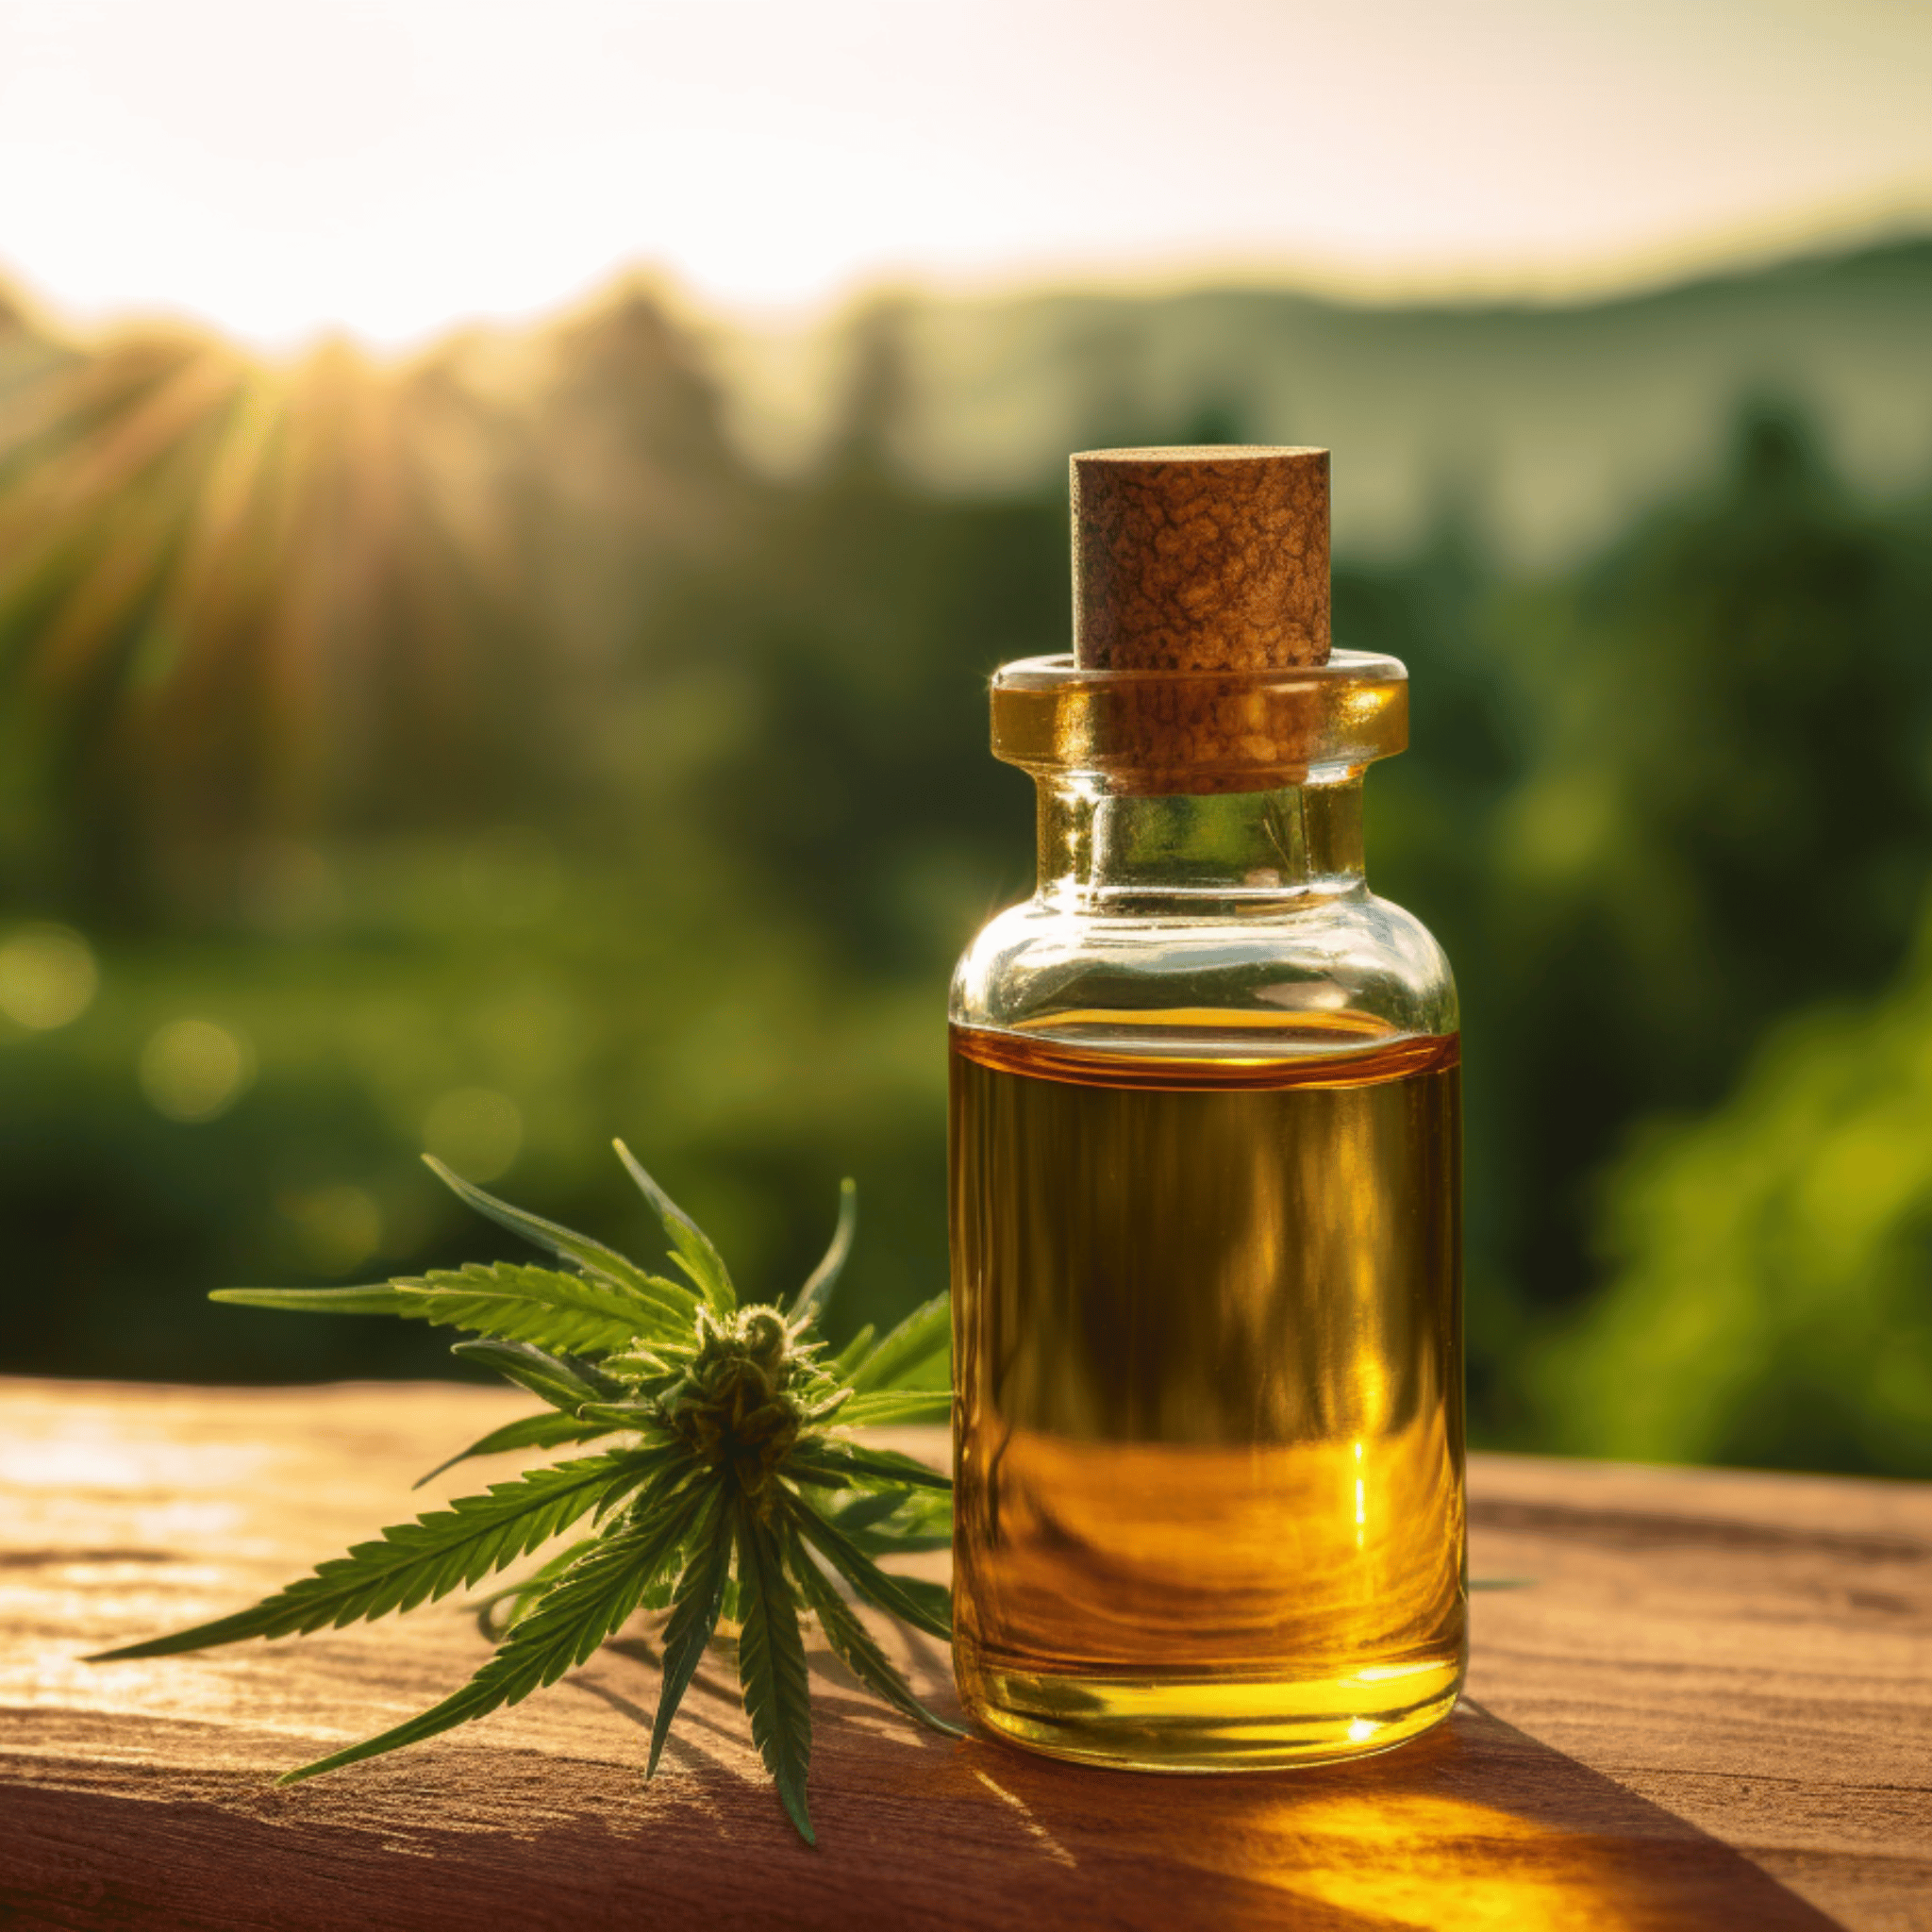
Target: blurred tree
{"x":1724,"y":812}
{"x":860,"y":784}
{"x":1771,"y":1295}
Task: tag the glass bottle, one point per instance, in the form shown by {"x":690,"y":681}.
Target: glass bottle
{"x":1206,"y":1174}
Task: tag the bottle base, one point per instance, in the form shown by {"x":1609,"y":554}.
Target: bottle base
{"x":1210,"y":1724}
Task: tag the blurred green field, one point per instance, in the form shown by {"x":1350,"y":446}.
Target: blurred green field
{"x":493,"y":754}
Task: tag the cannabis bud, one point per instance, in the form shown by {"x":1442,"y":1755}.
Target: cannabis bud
{"x":735,"y":1408}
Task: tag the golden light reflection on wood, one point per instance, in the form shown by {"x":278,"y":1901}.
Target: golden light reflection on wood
{"x":1711,"y":1711}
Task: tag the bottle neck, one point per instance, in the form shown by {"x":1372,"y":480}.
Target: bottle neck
{"x":1132,"y":855}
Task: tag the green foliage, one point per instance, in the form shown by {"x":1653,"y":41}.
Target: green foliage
{"x":900,"y":1406}
{"x":728,"y":1418}
{"x":1770,"y":1299}
{"x":885,"y":1468}
{"x":527,"y":749}
{"x":1720,"y":819}
{"x":692,"y":1246}
{"x":925,"y":1606}
{"x":574,"y":1312}
{"x":853,"y":1644}
{"x":559,"y":1630}
{"x":771,"y":1664}
{"x":545,"y":1431}
{"x":924,"y":1334}
{"x":669,"y":1301}
{"x":696,"y":1604}
{"x":820,"y":1283}
{"x":561,"y":1383}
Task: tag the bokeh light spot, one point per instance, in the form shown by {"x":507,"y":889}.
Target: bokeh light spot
{"x":47,"y":976}
{"x":193,"y":1070}
{"x":340,"y":1226}
{"x":476,"y":1130}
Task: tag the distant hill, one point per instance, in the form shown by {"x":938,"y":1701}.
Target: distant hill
{"x":1553,"y":423}
{"x":1548,"y":424}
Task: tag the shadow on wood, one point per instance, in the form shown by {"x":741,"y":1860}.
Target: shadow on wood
{"x":1475,"y":1825}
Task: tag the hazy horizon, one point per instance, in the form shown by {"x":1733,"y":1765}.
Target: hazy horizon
{"x":1544,"y":421}
{"x":1635,"y":277}
{"x":439,"y":166}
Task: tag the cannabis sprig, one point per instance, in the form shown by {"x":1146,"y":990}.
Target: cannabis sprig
{"x":733,"y":1491}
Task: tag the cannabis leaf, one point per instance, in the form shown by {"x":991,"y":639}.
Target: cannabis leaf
{"x":514,"y":1304}
{"x":733,"y":1490}
{"x":579,"y":1611}
{"x":416,"y":1563}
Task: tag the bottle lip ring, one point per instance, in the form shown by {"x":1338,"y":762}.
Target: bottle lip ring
{"x":1060,"y":674}
{"x":1179,"y":731}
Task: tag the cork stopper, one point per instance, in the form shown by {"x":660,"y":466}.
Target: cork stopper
{"x":1212,"y":558}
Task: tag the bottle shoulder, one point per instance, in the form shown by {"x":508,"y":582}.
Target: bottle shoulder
{"x":1330,"y":961}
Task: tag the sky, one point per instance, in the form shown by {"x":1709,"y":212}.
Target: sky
{"x":283,"y":168}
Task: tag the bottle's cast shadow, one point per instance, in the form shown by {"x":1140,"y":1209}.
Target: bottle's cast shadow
{"x":1473,"y":1826}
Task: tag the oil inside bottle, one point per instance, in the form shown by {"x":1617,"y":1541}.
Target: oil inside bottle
{"x":1207,"y":1310}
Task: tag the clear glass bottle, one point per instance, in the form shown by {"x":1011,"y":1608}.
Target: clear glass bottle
{"x":1206,"y":1225}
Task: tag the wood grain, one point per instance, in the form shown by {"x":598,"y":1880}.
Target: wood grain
{"x":1712,"y":1707}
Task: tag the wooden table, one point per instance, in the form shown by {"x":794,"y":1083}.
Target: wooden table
{"x":1712,"y":1706}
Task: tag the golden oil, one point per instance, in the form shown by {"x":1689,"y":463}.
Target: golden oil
{"x":1209,"y":1505}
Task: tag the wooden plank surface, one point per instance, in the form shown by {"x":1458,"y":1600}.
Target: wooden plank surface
{"x":1712,"y":1707}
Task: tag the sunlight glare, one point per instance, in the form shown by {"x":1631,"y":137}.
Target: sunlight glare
{"x":393,"y":169}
